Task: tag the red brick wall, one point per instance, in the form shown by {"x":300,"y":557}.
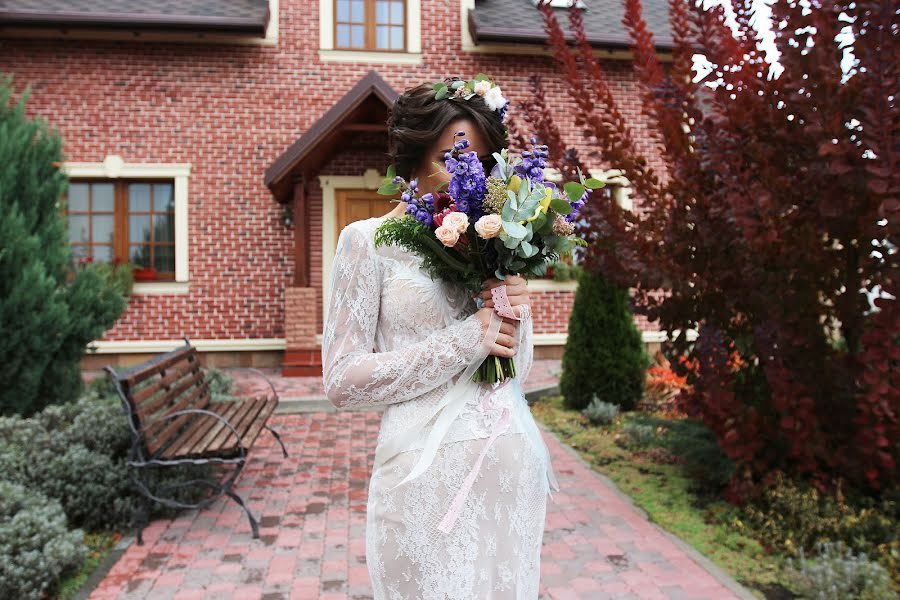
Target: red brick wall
{"x":229,"y":111}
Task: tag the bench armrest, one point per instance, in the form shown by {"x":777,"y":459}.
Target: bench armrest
{"x":261,"y":374}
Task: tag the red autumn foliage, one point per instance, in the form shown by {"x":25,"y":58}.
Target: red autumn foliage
{"x":778,"y":206}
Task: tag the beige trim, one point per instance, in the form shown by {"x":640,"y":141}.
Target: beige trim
{"x":370,"y":180}
{"x":413,"y":38}
{"x":388,"y":58}
{"x":559,"y":339}
{"x":550,"y":285}
{"x":161,"y":288}
{"x":270,"y":39}
{"x":113,"y":167}
{"x":158,"y":346}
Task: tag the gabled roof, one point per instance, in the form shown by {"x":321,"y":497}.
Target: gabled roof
{"x":520,"y":21}
{"x":363,"y":109}
{"x":231,"y":16}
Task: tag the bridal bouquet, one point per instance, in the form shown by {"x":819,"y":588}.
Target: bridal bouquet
{"x":479,"y":226}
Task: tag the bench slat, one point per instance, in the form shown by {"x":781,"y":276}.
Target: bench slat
{"x":159,"y":433}
{"x":196,"y":442}
{"x":143,"y":397}
{"x":140,"y":372}
{"x":167,"y":400}
{"x":225,"y":437}
{"x":265,"y":411}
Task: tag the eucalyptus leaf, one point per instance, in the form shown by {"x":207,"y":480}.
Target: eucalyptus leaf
{"x":391,"y":171}
{"x":574,"y":191}
{"x":514,"y":229}
{"x":438,"y":85}
{"x":457,"y":84}
{"x":441,"y":93}
{"x":481,"y":77}
{"x":561,"y":206}
{"x":594,"y":184}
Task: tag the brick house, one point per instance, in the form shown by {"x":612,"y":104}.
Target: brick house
{"x":226,"y":142}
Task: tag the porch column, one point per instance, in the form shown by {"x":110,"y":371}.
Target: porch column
{"x":302,"y":356}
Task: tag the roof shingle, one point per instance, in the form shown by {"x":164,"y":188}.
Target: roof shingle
{"x":222,"y":15}
{"x":520,"y":21}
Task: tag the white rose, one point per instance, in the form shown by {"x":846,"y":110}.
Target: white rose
{"x":488,"y":226}
{"x":456,"y":220}
{"x":448,"y":236}
{"x":482,"y":87}
{"x":494,"y":98}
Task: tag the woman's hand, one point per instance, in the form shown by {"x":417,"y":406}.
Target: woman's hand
{"x":505,"y":345}
{"x":516,"y":290}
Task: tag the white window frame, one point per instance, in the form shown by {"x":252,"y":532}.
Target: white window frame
{"x":113,"y":167}
{"x":412,"y":55}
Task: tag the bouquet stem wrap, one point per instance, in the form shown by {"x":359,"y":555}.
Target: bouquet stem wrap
{"x":498,"y":368}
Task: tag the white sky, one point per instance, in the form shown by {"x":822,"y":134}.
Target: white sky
{"x":762,"y":22}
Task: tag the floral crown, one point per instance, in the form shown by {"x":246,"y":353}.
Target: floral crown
{"x":460,"y":89}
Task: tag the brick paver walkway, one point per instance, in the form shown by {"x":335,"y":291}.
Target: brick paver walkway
{"x":312,"y":546}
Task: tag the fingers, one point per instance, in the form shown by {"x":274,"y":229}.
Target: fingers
{"x":504,"y":346}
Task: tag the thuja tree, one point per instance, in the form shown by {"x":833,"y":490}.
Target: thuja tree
{"x":604,"y":353}
{"x":49,"y":309}
{"x":777,"y":208}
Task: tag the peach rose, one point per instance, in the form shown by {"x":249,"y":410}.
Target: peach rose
{"x":457,"y":220}
{"x":448,"y":236}
{"x":488,"y":226}
{"x":482,"y":87}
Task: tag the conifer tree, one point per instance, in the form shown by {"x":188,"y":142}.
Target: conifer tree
{"x":49,"y":310}
{"x":604,"y":353}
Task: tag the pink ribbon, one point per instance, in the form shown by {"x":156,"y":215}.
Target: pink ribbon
{"x":501,"y":303}
{"x":499,"y":427}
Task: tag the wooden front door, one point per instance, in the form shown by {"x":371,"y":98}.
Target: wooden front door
{"x":356,"y":205}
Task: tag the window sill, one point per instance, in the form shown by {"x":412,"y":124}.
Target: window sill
{"x":361,"y":56}
{"x":157,"y":288}
{"x":549,"y":285}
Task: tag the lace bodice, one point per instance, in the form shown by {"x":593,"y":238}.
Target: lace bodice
{"x":393,"y":336}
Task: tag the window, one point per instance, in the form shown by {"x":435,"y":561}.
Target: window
{"x":370,"y":25}
{"x":124,"y":221}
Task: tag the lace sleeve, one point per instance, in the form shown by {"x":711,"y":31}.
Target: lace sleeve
{"x":354,"y":375}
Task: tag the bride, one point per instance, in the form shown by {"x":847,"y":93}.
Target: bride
{"x":457,"y":495}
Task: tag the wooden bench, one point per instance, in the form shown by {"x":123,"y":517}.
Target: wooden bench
{"x":174,"y":422}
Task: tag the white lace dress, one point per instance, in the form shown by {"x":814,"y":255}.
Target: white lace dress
{"x":457,"y":496}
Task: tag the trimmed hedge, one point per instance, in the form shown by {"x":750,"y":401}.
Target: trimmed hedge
{"x":36,"y":547}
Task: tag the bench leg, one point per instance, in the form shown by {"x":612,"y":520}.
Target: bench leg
{"x":278,"y":437}
{"x":254,"y":526}
{"x":141,"y":517}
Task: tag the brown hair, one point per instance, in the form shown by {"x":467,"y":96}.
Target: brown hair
{"x":417,"y":121}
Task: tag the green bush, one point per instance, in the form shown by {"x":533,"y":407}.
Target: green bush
{"x":220,"y":384}
{"x":790,"y":516}
{"x":76,"y":454}
{"x":601,"y":413}
{"x":71,"y":454}
{"x":697,"y":447}
{"x":604,"y":353}
{"x":36,"y":547}
{"x":838,"y":574}
{"x":638,"y":435}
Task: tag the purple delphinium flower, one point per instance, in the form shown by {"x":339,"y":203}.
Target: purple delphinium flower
{"x":533,"y":162}
{"x":576,"y":206}
{"x":467,"y":183}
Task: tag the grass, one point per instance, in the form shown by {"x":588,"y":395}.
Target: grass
{"x":99,"y":546}
{"x":667,"y":489}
